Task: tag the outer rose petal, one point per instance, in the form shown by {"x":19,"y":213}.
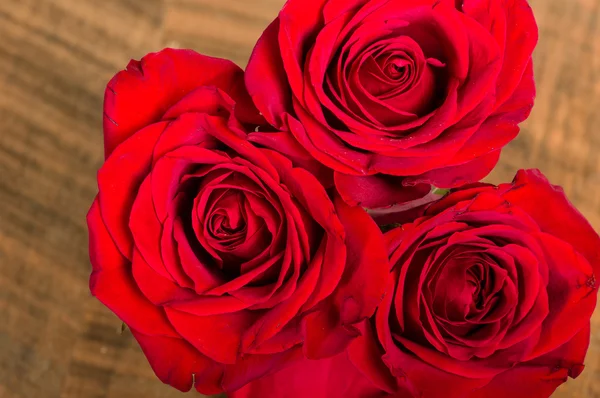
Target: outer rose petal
{"x":467,"y":192}
{"x":502,"y":127}
{"x":326,"y":378}
{"x":298,"y":24}
{"x":146,"y":89}
{"x":113,"y":284}
{"x":158,"y":289}
{"x":252,"y":367}
{"x":550,"y":208}
{"x":569,"y":356}
{"x":119,"y":180}
{"x":517,"y":107}
{"x":457,"y":175}
{"x":365,"y":353}
{"x":523,"y":382}
{"x":216,"y":336}
{"x":177,"y":363}
{"x":360,"y":290}
{"x":513,"y":25}
{"x":542,"y":376}
{"x":104,"y":254}
{"x":266,"y":78}
{"x":571,"y":294}
{"x":378,"y":190}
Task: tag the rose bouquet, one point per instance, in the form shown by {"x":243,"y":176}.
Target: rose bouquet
{"x":314,"y":225}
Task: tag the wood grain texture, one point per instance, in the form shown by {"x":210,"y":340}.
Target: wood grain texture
{"x":56,"y":57}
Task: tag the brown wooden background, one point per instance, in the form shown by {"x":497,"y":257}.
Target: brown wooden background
{"x":56,"y":57}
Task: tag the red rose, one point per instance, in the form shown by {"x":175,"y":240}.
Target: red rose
{"x":224,"y":259}
{"x":491,"y":295}
{"x":397,"y":95}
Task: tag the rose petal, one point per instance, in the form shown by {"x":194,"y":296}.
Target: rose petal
{"x":360,"y":290}
{"x":177,"y":363}
{"x":365,"y":354}
{"x":253,"y":367}
{"x":112,"y":283}
{"x":119,"y":180}
{"x":155,"y":287}
{"x":332,"y":377}
{"x":539,"y":378}
{"x":142,"y":93}
{"x":571,"y":294}
{"x":285,"y":144}
{"x":266,"y":78}
{"x":453,"y":176}
{"x":377,"y":191}
{"x":532,"y":192}
{"x":207,"y":333}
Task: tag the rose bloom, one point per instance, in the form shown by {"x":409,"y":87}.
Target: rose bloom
{"x":397,"y":95}
{"x":491,"y":294}
{"x":224,"y":259}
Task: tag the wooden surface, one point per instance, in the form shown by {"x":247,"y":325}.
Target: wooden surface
{"x":56,"y":57}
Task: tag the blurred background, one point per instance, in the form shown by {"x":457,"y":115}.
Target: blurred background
{"x":56,"y":57}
